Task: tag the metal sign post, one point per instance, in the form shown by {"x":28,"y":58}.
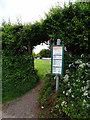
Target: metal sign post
{"x":57,"y":82}
{"x":57,"y":77}
{"x":57,"y":58}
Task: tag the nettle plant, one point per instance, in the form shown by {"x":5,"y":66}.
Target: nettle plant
{"x":75,"y":100}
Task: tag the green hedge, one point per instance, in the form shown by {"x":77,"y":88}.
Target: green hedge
{"x":18,"y":74}
{"x":45,"y":53}
{"x":71,"y":25}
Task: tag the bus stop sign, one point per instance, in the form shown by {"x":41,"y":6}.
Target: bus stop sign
{"x":57,"y":59}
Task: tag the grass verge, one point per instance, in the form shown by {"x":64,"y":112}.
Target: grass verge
{"x":42,"y":66}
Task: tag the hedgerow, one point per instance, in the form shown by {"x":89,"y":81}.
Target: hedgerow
{"x":70,"y":24}
{"x":18,"y":74}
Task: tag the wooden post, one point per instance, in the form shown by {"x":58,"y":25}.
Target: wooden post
{"x":50,"y":42}
{"x":30,"y":52}
{"x":29,"y":47}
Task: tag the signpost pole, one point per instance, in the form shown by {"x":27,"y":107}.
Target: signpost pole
{"x":57,"y":77}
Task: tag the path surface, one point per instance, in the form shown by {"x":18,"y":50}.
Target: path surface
{"x":25,"y":106}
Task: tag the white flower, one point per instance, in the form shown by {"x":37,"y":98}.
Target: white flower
{"x":70,"y":65}
{"x":66,"y":93}
{"x":83,"y":88}
{"x":78,"y":61}
{"x":82,"y":55}
{"x":54,"y":77}
{"x":63,"y":103}
{"x":67,"y":71}
{"x":65,"y":48}
{"x":66,"y":77}
{"x":69,"y":90}
{"x":72,"y":96}
{"x":68,"y":83}
{"x":73,"y":84}
{"x":63,"y":92}
{"x":72,"y":104}
{"x":88,"y":64}
{"x":88,"y":105}
{"x":42,"y":107}
{"x":85,"y":93}
{"x":88,"y":82}
{"x":82,"y":65}
{"x":87,"y":86}
{"x":81,"y":76}
{"x":83,"y":81}
{"x":78,"y":80}
{"x":88,"y":97}
{"x":84,"y":101}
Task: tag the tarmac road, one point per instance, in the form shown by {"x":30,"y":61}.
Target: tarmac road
{"x":45,"y":59}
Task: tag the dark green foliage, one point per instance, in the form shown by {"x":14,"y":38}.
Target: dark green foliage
{"x":71,"y":25}
{"x":35,"y":34}
{"x":17,"y":76}
{"x":38,"y":35}
{"x":45,"y":53}
{"x":47,"y":89}
{"x":17,"y":66}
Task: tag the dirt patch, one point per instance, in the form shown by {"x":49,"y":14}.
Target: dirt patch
{"x":25,"y":106}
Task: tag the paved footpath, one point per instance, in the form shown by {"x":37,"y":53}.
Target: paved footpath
{"x":0,"y":111}
{"x":25,"y":106}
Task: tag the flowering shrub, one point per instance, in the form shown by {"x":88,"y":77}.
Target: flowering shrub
{"x":75,"y":92}
{"x":73,"y":97}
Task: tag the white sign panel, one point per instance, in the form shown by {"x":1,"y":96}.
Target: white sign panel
{"x":57,"y":59}
{"x":57,"y":51}
{"x":56,"y":70}
{"x":57,"y":62}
